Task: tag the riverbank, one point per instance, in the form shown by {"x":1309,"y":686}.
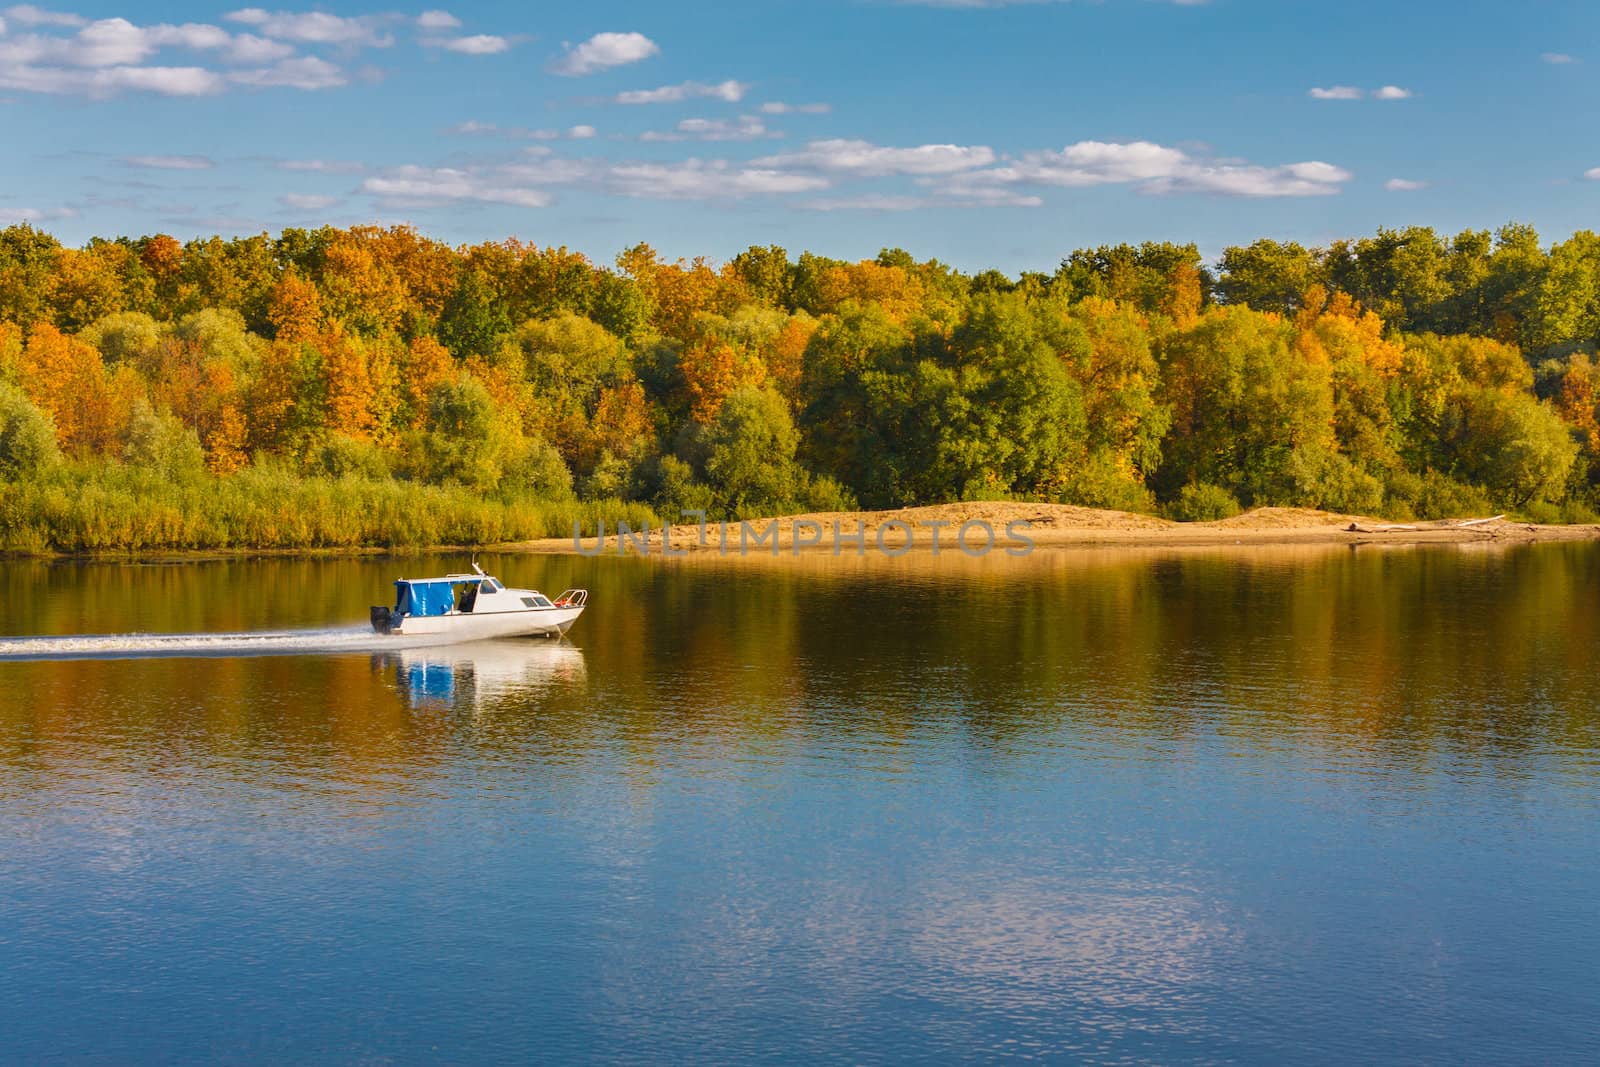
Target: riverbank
{"x":977,"y":529}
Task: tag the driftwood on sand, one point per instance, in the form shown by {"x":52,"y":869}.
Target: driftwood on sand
{"x":1393,"y":527}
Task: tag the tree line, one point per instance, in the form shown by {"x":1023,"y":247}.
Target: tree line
{"x":1404,"y":374}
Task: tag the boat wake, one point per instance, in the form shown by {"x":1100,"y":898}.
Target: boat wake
{"x":256,"y":643}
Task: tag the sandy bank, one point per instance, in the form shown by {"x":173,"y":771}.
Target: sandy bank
{"x":1017,"y":528}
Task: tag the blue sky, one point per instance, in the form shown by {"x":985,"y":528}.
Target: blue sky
{"x":982,"y":133}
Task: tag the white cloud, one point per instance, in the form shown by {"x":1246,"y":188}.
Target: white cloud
{"x":1556,"y":58}
{"x":29,"y":15}
{"x":28,"y":214}
{"x":163,"y":81}
{"x":438,"y":20}
{"x":869,"y":160}
{"x":248,"y":48}
{"x":1351,"y":92}
{"x":316,"y":27}
{"x":694,"y":179}
{"x":170,"y":162}
{"x":883,"y":202}
{"x":474,"y":128}
{"x":109,"y":81}
{"x":729,"y":91}
{"x":529,"y":183}
{"x":432,"y":185}
{"x":322,"y":166}
{"x":1099,"y":163}
{"x":1295,"y":179}
{"x":1593,"y":174}
{"x":602,"y":52}
{"x":778,"y":107}
{"x":479,"y":44}
{"x":744,"y":128}
{"x":307,"y":72}
{"x":1152,"y":169}
{"x":1404,"y":185}
{"x":106,"y":43}
{"x":109,"y":56}
{"x":307,"y":201}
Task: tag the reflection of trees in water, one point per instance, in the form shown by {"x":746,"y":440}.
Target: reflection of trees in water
{"x":1401,"y":655}
{"x":1408,"y":651}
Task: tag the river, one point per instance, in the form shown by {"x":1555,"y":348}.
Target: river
{"x":1321,"y":804}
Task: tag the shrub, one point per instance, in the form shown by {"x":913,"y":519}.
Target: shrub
{"x":1203,"y":502}
{"x":825,"y":494}
{"x":1441,"y":497}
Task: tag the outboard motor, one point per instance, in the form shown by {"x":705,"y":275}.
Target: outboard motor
{"x":383,"y":620}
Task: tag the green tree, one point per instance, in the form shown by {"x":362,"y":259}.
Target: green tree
{"x":750,"y":455}
{"x":767,"y":273}
{"x":27,"y":436}
{"x":1510,"y":443}
{"x":1268,"y":275}
{"x":474,"y":321}
{"x":162,"y":445}
{"x":27,"y":262}
{"x":1244,"y":403}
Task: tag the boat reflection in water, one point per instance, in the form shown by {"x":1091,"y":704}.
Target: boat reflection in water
{"x":479,"y":672}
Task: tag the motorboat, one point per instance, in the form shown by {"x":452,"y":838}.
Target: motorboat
{"x":473,"y":607}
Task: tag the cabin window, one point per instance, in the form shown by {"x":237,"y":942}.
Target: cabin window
{"x":527,"y":601}
{"x":540,"y":601}
{"x":491,"y":586}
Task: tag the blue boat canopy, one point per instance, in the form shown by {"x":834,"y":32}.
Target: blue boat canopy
{"x":428,"y":596}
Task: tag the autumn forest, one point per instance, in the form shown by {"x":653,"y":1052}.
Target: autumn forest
{"x":369,"y":386}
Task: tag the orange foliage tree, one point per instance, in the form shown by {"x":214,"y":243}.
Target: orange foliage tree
{"x":67,"y":378}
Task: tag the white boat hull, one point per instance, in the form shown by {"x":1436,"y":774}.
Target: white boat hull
{"x":476,"y":626}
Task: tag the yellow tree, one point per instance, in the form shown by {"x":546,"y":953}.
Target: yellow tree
{"x":427,"y":363}
{"x":86,"y":285}
{"x":1576,"y":401}
{"x":202,"y":389}
{"x":67,"y":378}
{"x":424,"y":269}
{"x":786,"y":359}
{"x":347,"y":382}
{"x":683,"y":292}
{"x":359,"y":288}
{"x":712,"y":370}
{"x":272,"y":397}
{"x":892,"y":288}
{"x":295,"y":310}
{"x":1332,"y":329}
{"x":10,"y":351}
{"x":162,"y":258}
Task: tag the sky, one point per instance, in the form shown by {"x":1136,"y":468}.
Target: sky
{"x":984,"y":133}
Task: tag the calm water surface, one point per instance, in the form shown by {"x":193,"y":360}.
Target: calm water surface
{"x":1337,"y":805}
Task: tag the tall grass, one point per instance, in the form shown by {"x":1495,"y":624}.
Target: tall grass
{"x":108,"y":507}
